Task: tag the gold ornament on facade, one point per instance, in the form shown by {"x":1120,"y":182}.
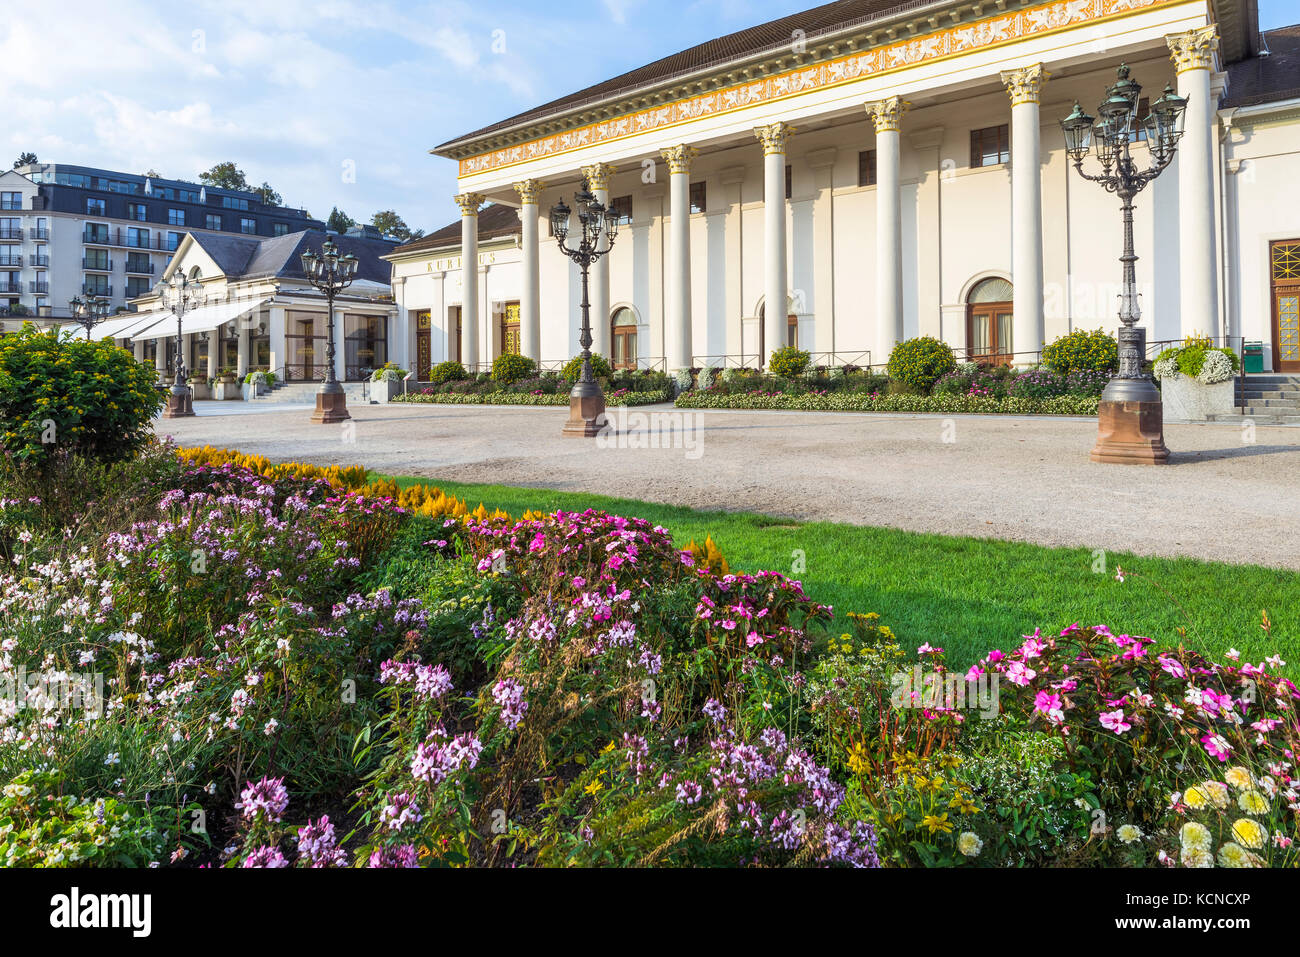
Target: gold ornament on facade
{"x":773,"y":137}
{"x":530,"y":191}
{"x":679,"y":158}
{"x":1025,"y":84}
{"x":1193,"y":50}
{"x":598,"y":175}
{"x":888,"y":114}
{"x":469,"y":203}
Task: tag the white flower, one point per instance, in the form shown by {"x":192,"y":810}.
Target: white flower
{"x":969,"y":843}
{"x":1129,"y":833}
{"x":1217,"y":367}
{"x":113,"y":758}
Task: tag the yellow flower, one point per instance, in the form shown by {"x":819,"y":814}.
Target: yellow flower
{"x":1196,"y":799}
{"x":1234,"y":855}
{"x":1239,"y":778}
{"x":937,"y":823}
{"x":1252,"y":802}
{"x":1249,"y":833}
{"x":1217,"y":792}
{"x":1197,"y":857}
{"x":1194,"y":837}
{"x":594,"y":787}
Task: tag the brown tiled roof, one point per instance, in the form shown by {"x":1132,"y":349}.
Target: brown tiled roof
{"x":735,"y":46}
{"x":493,"y":221}
{"x":1263,"y":79}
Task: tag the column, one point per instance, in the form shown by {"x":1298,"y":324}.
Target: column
{"x":469,"y":204}
{"x":277,"y":332}
{"x":340,"y":345}
{"x":677,"y":307}
{"x":598,"y":182}
{"x":214,"y":352}
{"x":822,"y":164}
{"x":1193,"y":55}
{"x":138,"y":347}
{"x":1024,"y":86}
{"x":775,"y":293}
{"x":245,"y":342}
{"x":160,"y":354}
{"x":887,"y":115}
{"x":530,"y":295}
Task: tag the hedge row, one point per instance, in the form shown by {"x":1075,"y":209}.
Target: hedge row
{"x":858,"y":402}
{"x":524,"y":398}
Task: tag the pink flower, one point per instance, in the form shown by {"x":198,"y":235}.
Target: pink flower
{"x":1216,"y":746}
{"x":1114,"y":721}
{"x":1018,"y":674}
{"x":1050,"y":705}
{"x":1173,"y":666}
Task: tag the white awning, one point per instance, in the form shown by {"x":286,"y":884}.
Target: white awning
{"x":123,"y":326}
{"x":203,"y":319}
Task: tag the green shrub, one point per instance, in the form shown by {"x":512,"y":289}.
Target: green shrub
{"x":449,"y":371}
{"x":510,"y":367}
{"x":1082,"y":351}
{"x":599,"y":367}
{"x":388,"y":372}
{"x":788,"y":361}
{"x":921,"y":361}
{"x":68,"y":395}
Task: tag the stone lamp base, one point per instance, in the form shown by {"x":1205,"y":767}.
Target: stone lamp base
{"x":586,"y":415}
{"x":179,"y":404}
{"x":331,"y":407}
{"x":1130,"y":433}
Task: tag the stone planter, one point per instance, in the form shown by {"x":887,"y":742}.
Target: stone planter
{"x":1190,"y":400}
{"x":385,"y":390}
{"x":200,"y":390}
{"x":226,"y":389}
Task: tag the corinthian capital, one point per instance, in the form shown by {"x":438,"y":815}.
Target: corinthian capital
{"x":773,"y":137}
{"x":598,"y":175}
{"x":1193,"y":50}
{"x":530,"y":191}
{"x":679,"y":158}
{"x":1026,"y":83}
{"x":469,"y":203}
{"x":888,"y":114}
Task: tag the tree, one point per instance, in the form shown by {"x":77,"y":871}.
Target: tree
{"x":340,"y":221}
{"x":390,"y":224}
{"x":25,"y":159}
{"x":224,"y":176}
{"x":268,"y":196}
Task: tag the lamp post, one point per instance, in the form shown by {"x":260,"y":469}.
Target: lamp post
{"x":586,"y":401}
{"x":88,"y":312}
{"x":1130,"y":421}
{"x":331,"y":274}
{"x":180,"y":295}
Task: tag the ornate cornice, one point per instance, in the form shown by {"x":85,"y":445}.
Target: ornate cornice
{"x":530,"y":191}
{"x":598,"y":175}
{"x":469,"y":203}
{"x":679,"y":158}
{"x":887,"y":114}
{"x":1193,"y":50}
{"x":774,"y":137}
{"x":1025,"y":84}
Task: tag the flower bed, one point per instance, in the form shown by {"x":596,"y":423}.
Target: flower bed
{"x":875,"y":402}
{"x":615,"y":398}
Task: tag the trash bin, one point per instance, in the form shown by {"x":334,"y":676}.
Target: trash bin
{"x":1254,"y":357}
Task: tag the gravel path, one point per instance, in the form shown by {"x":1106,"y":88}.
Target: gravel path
{"x":1008,"y":477}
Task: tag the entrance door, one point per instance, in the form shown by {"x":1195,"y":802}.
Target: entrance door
{"x":423,"y":345}
{"x":510,"y":329}
{"x":1286,"y":306}
{"x":988,"y":323}
{"x":453,"y":322}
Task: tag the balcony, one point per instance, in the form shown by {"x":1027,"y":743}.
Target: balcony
{"x":105,"y":291}
{"x":139,"y":268}
{"x":15,"y":287}
{"x":40,"y":232}
{"x":97,"y":265}
{"x":122,"y":239}
{"x":40,"y":288}
{"x":39,"y":260}
{"x":11,"y":233}
{"x":11,"y":204}
{"x":15,"y":261}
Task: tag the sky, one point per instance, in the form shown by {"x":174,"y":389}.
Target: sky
{"x":333,"y":102}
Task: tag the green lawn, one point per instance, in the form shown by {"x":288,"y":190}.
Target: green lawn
{"x":968,"y":594}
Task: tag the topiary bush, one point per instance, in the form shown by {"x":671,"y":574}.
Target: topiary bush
{"x":510,"y":367}
{"x":920,"y":362}
{"x":599,"y":367}
{"x":788,"y":361}
{"x":59,"y":394}
{"x":449,"y":371}
{"x":1095,"y":351}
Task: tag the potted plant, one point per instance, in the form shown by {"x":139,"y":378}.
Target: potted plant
{"x":226,"y":387}
{"x":1196,"y":380}
{"x":387,"y":382}
{"x":200,"y":386}
{"x":258,"y":382}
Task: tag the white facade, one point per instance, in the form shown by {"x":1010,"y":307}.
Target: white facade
{"x":864,"y":265}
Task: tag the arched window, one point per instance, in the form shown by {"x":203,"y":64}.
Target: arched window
{"x":988,"y":323}
{"x":622,"y":339}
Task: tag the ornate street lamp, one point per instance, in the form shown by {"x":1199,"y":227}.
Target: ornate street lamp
{"x":586,"y":401}
{"x":180,"y":295}
{"x":1130,"y":418}
{"x":331,"y":274}
{"x":88,"y":312}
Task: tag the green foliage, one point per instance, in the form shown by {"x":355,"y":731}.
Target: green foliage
{"x":510,"y":367}
{"x":1191,"y":357}
{"x":788,"y":361}
{"x":448,"y":371}
{"x":67,"y":395}
{"x":921,"y":361}
{"x":600,"y":368}
{"x":894,"y":402}
{"x":339,"y":221}
{"x":388,"y":372}
{"x":1082,"y":351}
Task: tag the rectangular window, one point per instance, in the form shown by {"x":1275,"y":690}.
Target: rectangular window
{"x":248,"y":226}
{"x":11,"y":200}
{"x":138,"y":263}
{"x":699,"y":198}
{"x":96,"y":259}
{"x":137,"y":211}
{"x":280,"y":229}
{"x":95,"y":207}
{"x":97,"y":285}
{"x":867,"y":168}
{"x":174,"y":240}
{"x":175,"y":217}
{"x":213,"y":221}
{"x":622,"y":206}
{"x":137,"y":286}
{"x":137,"y":237}
{"x":96,"y":233}
{"x":231,"y":202}
{"x":990,"y":146}
{"x":789,"y":181}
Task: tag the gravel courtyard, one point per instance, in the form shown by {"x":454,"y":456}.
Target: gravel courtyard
{"x":1021,"y":478}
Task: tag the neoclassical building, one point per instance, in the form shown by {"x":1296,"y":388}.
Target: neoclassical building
{"x":866,"y":172}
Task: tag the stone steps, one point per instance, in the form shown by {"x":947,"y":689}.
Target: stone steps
{"x":1258,"y":416}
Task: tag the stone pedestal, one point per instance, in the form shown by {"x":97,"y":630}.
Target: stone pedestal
{"x":331,"y":407}
{"x":586,"y":416}
{"x":179,"y":405}
{"x":1130,"y":433}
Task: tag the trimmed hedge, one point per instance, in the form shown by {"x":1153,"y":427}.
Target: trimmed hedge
{"x":857,"y":402}
{"x":522,"y":398}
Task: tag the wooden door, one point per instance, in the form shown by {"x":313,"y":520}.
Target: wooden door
{"x":988,"y":333}
{"x":423,"y":345}
{"x":510,"y":329}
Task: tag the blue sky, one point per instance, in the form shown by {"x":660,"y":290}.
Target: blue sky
{"x":301,"y":93}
